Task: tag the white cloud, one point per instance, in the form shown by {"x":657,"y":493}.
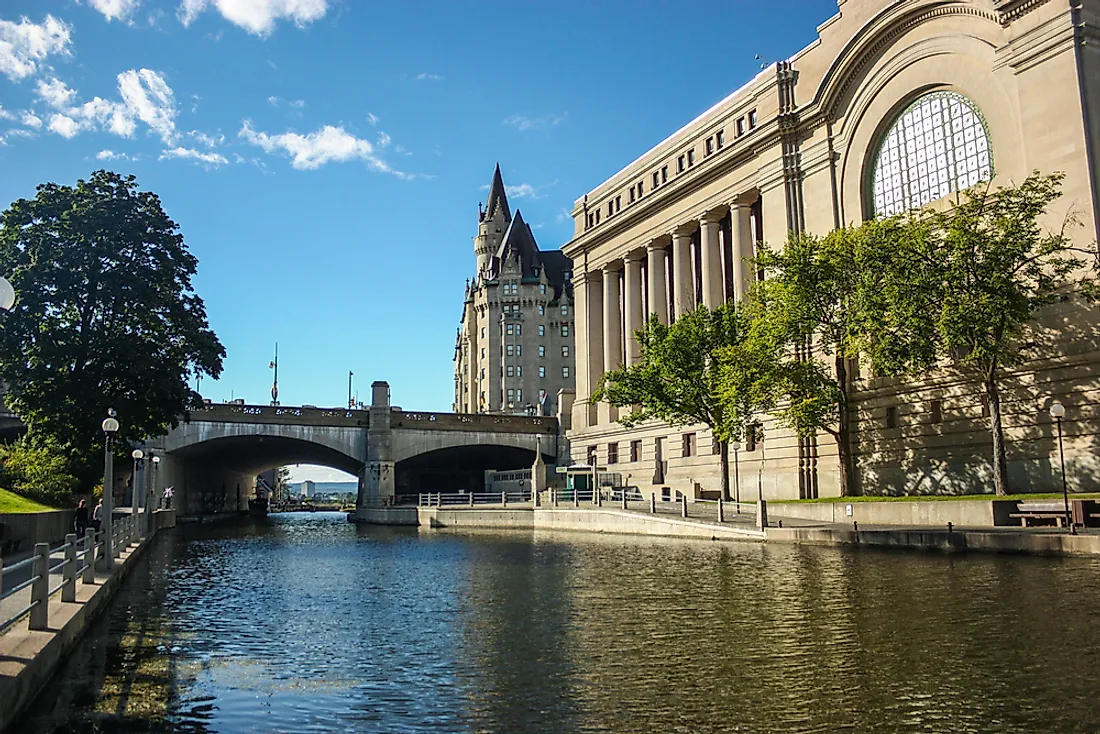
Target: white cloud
{"x":425,"y":76}
{"x":521,"y":191}
{"x":327,"y":145}
{"x":110,"y":155}
{"x":211,"y":159}
{"x":31,"y":120}
{"x":5,"y":115}
{"x":115,"y":9}
{"x":372,"y":118}
{"x":146,"y":97}
{"x":24,"y":45}
{"x":256,"y":16}
{"x":279,"y":101}
{"x":524,"y":123}
{"x":209,"y":141}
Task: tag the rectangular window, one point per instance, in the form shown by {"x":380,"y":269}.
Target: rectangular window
{"x":509,"y":371}
{"x":610,"y":208}
{"x":715,"y":446}
{"x":565,"y":329}
{"x":752,"y":119}
{"x":740,"y":126}
{"x":618,"y":203}
{"x":641,"y":188}
{"x":635,"y":451}
{"x":519,"y":370}
{"x":612,"y":453}
{"x":688,"y":445}
{"x":519,"y":350}
{"x":564,"y":309}
{"x":597,"y":216}
{"x":892,"y":417}
{"x":720,"y":138}
{"x":508,"y":329}
{"x":542,"y":350}
{"x":565,"y":351}
{"x":542,"y":329}
{"x":664,"y":174}
{"x":750,"y":438}
{"x":508,"y":350}
{"x":542,"y":372}
{"x":565,"y":372}
{"x":542,"y":309}
{"x":519,"y":330}
{"x":656,"y":179}
{"x":519,"y":396}
{"x":542,"y":396}
{"x":937,"y":411}
{"x":542,"y":288}
{"x":710,"y":145}
{"x":631,"y":200}
{"x":691,"y":157}
{"x":680,"y":164}
{"x":511,"y":395}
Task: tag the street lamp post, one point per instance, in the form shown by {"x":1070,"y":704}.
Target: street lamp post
{"x":275,"y":384}
{"x":1057,"y":412}
{"x":351,"y":400}
{"x":110,"y":428}
{"x":736,"y":446}
{"x":138,"y":455}
{"x":156,"y":466}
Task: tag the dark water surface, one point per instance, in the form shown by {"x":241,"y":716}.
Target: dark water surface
{"x":305,"y":623}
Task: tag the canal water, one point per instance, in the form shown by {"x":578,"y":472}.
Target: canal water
{"x":305,"y":623}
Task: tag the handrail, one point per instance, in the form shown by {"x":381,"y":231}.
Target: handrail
{"x":124,"y":532}
{"x":469,"y":499}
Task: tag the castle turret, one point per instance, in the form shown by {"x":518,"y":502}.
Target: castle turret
{"x":493,"y":222}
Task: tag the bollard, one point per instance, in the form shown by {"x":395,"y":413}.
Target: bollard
{"x":68,"y":590}
{"x":554,"y":497}
{"x":653,"y":504}
{"x":683,"y":505}
{"x":471,"y":498}
{"x":89,"y":556}
{"x":721,"y":512}
{"x":781,"y":523}
{"x":949,"y":526}
{"x":762,"y":514}
{"x":40,"y":589}
{"x":597,"y":497}
{"x":576,"y":498}
{"x":624,"y":500}
{"x":504,"y":498}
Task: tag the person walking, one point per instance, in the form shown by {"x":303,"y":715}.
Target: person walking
{"x":80,"y":519}
{"x":97,"y":516}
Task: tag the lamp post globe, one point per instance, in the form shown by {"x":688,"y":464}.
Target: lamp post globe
{"x":1057,"y":412}
{"x":7,"y":295}
{"x":110,"y":428}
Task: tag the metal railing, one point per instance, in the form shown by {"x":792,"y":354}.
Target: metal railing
{"x":469,"y":499}
{"x":75,"y":557}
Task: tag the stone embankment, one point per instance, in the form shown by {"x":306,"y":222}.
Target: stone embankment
{"x":28,"y":658}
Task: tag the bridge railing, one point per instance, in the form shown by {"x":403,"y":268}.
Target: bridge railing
{"x":630,"y":498}
{"x":470,"y":499}
{"x":32,"y":580}
{"x":284,"y":414}
{"x":474,"y":422}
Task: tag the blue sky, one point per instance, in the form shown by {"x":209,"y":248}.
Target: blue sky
{"x":325,"y":158}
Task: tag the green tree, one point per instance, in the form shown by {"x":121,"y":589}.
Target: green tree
{"x":106,"y":315}
{"x":38,"y":468}
{"x":985,"y":269}
{"x":702,"y":368}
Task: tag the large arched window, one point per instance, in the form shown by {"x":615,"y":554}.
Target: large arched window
{"x":939,"y":144}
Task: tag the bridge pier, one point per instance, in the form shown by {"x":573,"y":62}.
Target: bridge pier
{"x":377,"y":480}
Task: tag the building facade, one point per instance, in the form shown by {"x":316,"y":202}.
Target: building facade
{"x":897,"y":104}
{"x":515,"y":346}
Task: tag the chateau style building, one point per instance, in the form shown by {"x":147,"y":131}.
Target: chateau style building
{"x":897,"y":104}
{"x":515,"y":346}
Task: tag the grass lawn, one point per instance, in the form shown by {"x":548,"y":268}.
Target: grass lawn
{"x":11,"y":502}
{"x":943,"y":498}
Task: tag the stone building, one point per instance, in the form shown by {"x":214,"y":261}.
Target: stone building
{"x":515,"y":345}
{"x":897,"y":104}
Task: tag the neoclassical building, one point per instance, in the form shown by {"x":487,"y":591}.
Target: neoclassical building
{"x":897,"y":104}
{"x":515,"y":344}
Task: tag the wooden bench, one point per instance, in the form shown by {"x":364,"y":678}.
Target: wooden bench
{"x":1042,"y":512}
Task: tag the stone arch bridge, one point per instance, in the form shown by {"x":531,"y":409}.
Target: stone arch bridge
{"x":212,"y":459}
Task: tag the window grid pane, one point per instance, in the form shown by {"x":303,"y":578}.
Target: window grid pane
{"x":938,"y":145}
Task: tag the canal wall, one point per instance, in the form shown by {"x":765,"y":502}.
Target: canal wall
{"x":28,"y":659}
{"x":19,"y":531}
{"x":592,"y":520}
{"x":1025,"y":542}
{"x":931,"y":513}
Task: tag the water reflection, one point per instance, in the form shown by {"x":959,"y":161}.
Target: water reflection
{"x":307,"y":623}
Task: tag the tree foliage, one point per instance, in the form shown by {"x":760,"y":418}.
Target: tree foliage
{"x":703,"y":368}
{"x":105,"y":317}
{"x":39,"y":469}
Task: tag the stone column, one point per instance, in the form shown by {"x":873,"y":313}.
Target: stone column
{"x":579,"y":413}
{"x":711,"y":255}
{"x":741,"y":246}
{"x":658,"y":298}
{"x":377,"y":479}
{"x":683,"y":287}
{"x":632,"y":303}
{"x":612,"y":331}
{"x":594,"y":300}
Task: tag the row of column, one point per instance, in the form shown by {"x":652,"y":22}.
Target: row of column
{"x":667,"y":287}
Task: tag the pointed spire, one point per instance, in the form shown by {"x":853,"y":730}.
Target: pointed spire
{"x":519,"y":243}
{"x":498,"y":199}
